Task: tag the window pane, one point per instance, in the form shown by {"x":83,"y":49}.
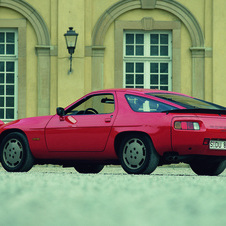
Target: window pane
{"x":9,"y":113}
{"x":9,"y":78}
{"x":154,"y":51}
{"x":139,"y":39}
{"x":154,"y":68}
{"x":154,"y":79}
{"x":129,"y":38}
{"x":9,"y":101}
{"x":163,"y":39}
{"x":164,"y":79}
{"x":129,"y":86}
{"x":1,"y":101}
{"x":140,"y":67}
{"x":164,"y":51}
{"x":139,"y":87}
{"x":10,"y":37}
{"x":2,"y":79}
{"x":129,"y":79}
{"x":130,"y":67}
{"x":2,"y":113}
{"x":163,"y":67}
{"x":2,"y":89}
{"x":130,"y":50}
{"x":154,"y":38}
{"x":139,"y":50}
{"x":2,"y":68}
{"x":139,"y":79}
{"x":10,"y":90}
{"x":2,"y":37}
{"x":154,"y":87}
{"x":2,"y":49}
{"x":164,"y":88}
{"x":10,"y":66}
{"x":10,"y":49}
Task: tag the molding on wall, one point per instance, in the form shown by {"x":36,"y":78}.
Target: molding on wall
{"x":111,"y":14}
{"x":33,"y":16}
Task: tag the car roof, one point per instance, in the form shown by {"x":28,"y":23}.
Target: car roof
{"x":138,"y":91}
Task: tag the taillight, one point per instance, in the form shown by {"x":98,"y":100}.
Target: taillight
{"x":186,"y":125}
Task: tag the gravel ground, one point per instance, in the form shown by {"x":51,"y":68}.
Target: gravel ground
{"x":52,"y":195}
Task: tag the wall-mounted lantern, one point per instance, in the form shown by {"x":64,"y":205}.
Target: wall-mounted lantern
{"x":71,"y":40}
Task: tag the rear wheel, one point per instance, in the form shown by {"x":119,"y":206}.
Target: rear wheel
{"x":208,"y":167}
{"x":137,"y":154}
{"x":15,"y":154}
{"x":91,"y":168}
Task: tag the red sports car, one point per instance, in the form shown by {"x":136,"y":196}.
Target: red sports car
{"x":137,"y":128}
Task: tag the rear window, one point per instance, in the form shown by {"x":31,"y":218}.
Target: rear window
{"x":142,"y":104}
{"x":187,"y":102}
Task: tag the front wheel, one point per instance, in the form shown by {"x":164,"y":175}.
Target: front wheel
{"x":207,"y":167}
{"x":138,"y":155}
{"x":91,"y":168}
{"x":15,"y":154}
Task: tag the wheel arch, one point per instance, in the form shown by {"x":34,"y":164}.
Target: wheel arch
{"x":6,"y":132}
{"x":121,"y":135}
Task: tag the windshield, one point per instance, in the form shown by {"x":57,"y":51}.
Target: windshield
{"x":187,"y":102}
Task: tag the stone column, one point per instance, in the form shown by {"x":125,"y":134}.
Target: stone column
{"x":43,"y":54}
{"x":97,"y":67}
{"x":198,"y":72}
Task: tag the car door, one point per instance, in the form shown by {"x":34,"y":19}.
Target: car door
{"x":85,"y":127}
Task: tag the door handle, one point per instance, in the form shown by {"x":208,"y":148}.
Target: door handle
{"x":108,"y":120}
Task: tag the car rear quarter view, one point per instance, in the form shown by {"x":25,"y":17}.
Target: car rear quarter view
{"x":139,"y":129}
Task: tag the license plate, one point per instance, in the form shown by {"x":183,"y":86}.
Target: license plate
{"x":217,"y":144}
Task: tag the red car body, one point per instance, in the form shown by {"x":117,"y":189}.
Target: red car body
{"x":85,"y":138}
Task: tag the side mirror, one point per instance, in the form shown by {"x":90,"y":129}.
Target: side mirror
{"x":60,"y":111}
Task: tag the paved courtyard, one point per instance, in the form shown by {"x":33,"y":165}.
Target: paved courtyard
{"x":52,"y":195}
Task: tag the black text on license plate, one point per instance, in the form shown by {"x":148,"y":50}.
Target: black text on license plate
{"x":217,"y":144}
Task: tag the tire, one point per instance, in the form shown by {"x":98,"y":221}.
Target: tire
{"x":15,"y":154}
{"x":91,"y":168}
{"x":138,"y":155}
{"x":208,"y":167}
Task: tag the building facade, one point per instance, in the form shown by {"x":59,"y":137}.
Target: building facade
{"x":175,"y":45}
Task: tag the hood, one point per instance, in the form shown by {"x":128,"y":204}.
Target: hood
{"x":28,"y":123}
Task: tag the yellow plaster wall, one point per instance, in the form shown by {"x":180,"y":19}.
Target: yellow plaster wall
{"x":70,"y":86}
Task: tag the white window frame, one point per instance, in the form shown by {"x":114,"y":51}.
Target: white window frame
{"x":146,"y":58}
{"x":12,"y":58}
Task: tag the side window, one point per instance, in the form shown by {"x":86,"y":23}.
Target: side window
{"x":141,"y":104}
{"x":97,"y":104}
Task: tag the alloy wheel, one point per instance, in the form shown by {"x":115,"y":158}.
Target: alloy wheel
{"x":134,"y":153}
{"x":13,"y":153}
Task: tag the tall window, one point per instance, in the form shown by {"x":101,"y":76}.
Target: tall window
{"x":148,"y":60}
{"x":8,"y":74}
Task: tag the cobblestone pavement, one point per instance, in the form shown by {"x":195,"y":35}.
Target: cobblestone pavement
{"x":52,"y":195}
